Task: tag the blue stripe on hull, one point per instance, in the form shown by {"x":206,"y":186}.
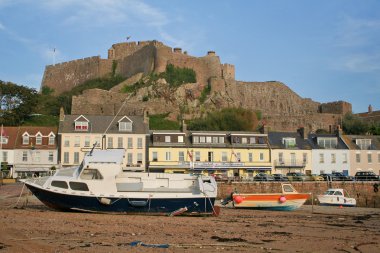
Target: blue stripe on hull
{"x":346,"y":205}
{"x":64,"y":202}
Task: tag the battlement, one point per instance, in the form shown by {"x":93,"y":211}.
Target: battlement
{"x":337,"y":107}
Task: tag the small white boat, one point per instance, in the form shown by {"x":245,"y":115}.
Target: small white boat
{"x":336,"y":197}
{"x":100,"y":184}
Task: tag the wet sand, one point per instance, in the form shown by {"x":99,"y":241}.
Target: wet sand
{"x":29,"y":226}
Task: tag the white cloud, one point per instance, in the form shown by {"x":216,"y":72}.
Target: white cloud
{"x":362,"y":63}
{"x":2,"y":27}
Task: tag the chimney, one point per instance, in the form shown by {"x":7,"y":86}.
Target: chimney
{"x":339,"y":131}
{"x":146,"y":118}
{"x":61,"y":114}
{"x":184,"y":126}
{"x":301,"y":132}
{"x":369,"y":108}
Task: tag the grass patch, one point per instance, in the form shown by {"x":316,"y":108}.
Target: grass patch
{"x":159,"y":122}
{"x":41,"y":120}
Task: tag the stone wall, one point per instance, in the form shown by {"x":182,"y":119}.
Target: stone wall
{"x":362,"y":191}
{"x":65,"y":76}
{"x":337,"y":107}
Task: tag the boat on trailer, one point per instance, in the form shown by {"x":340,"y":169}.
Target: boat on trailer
{"x":289,"y":199}
{"x":336,"y":197}
{"x":101,"y":184}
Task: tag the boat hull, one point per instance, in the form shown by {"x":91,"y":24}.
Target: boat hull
{"x":275,"y":202}
{"x":336,"y":201}
{"x":100,"y":204}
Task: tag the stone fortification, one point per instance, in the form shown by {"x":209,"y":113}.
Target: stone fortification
{"x":281,"y":108}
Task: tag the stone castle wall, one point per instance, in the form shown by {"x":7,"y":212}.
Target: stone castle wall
{"x":65,"y":76}
{"x":339,"y":107}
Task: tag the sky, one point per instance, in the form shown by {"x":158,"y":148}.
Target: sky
{"x":324,"y":50}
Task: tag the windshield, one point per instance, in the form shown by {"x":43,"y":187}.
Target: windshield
{"x":329,"y":193}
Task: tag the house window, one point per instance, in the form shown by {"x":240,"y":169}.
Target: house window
{"x":224,"y":156}
{"x":244,"y":140}
{"x":66,"y":142}
{"x":4,"y":140}
{"x":168,"y":156}
{"x":250,"y":157}
{"x":236,"y":139}
{"x":369,"y":156}
{"x":333,"y":158}
{"x":281,"y":158}
{"x":66,"y":157}
{"x":77,"y":141}
{"x":252,"y":140}
{"x":5,"y":156}
{"x":197,"y":156}
{"x":168,"y":138}
{"x":180,"y":138}
{"x":110,"y":142}
{"x":261,"y":156}
{"x":304,"y":158}
{"x":51,"y":140}
{"x":37,"y":156}
{"x":24,"y":156}
{"x":202,"y":139}
{"x":76,"y":157}
{"x":208,"y":139}
{"x":215,"y":139}
{"x":358,"y":158}
{"x":139,"y":143}
{"x":87,"y":140}
{"x":38,"y":140}
{"x":130,"y":142}
{"x":139,"y":158}
{"x":221,"y":139}
{"x":25,"y":140}
{"x":125,"y":126}
{"x":51,"y":156}
{"x":181,"y":156}
{"x":321,"y":158}
{"x":344,"y":158}
{"x":81,"y":125}
{"x":289,"y":142}
{"x":195,"y":139}
{"x":119,"y":142}
{"x":364,"y":144}
{"x":325,"y":142}
{"x":154,"y":157}
{"x":238,"y":157}
{"x":130,"y":159}
{"x":210,"y":156}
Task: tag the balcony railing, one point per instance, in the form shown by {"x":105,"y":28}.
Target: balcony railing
{"x":289,"y":163}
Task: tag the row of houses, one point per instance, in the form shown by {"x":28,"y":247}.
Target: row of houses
{"x":38,"y":150}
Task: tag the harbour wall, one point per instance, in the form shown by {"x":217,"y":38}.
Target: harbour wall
{"x":363,"y":192}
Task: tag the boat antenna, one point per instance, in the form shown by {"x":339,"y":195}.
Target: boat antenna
{"x":93,"y":147}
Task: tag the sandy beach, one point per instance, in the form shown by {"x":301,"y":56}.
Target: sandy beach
{"x":26,"y":225}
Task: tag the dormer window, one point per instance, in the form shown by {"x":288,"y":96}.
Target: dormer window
{"x":125,"y":124}
{"x":167,"y":138}
{"x":180,"y":138}
{"x":289,"y":142}
{"x":81,"y":123}
{"x":39,"y":139}
{"x":364,"y":144}
{"x":51,"y":139}
{"x":4,"y":140}
{"x":327,"y":142}
{"x":25,"y":139}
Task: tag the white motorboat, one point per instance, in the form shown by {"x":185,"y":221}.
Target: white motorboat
{"x":336,"y":197}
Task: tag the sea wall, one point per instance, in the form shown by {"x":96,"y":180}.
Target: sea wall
{"x":362,"y":191}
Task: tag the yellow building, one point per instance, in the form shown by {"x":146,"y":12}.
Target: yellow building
{"x":230,"y":154}
{"x":79,"y":133}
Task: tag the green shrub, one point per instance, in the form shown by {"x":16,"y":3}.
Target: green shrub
{"x":159,"y":122}
{"x":176,"y":76}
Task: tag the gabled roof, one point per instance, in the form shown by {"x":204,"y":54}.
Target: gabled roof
{"x":11,"y":134}
{"x":32,"y":131}
{"x":81,"y":118}
{"x":99,"y":123}
{"x":275,"y":140}
{"x":125,"y":119}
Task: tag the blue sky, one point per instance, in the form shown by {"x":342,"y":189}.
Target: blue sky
{"x":324,"y":50}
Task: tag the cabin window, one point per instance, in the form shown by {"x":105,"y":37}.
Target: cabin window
{"x":59,"y":184}
{"x":91,"y":174}
{"x":78,"y":186}
{"x":287,"y":188}
{"x":338,"y":193}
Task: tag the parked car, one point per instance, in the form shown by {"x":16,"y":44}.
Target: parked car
{"x":296,"y":176}
{"x":280,"y":177}
{"x":341,"y":177}
{"x":220,"y":177}
{"x":315,"y":177}
{"x":366,"y":176}
{"x":263,"y":177}
{"x":329,"y":177}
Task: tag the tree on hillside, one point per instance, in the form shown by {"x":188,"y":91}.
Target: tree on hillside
{"x":16,"y":103}
{"x":228,"y":119}
{"x":354,"y":125}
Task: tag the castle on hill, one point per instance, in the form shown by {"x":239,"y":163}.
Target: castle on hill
{"x":281,"y":108}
